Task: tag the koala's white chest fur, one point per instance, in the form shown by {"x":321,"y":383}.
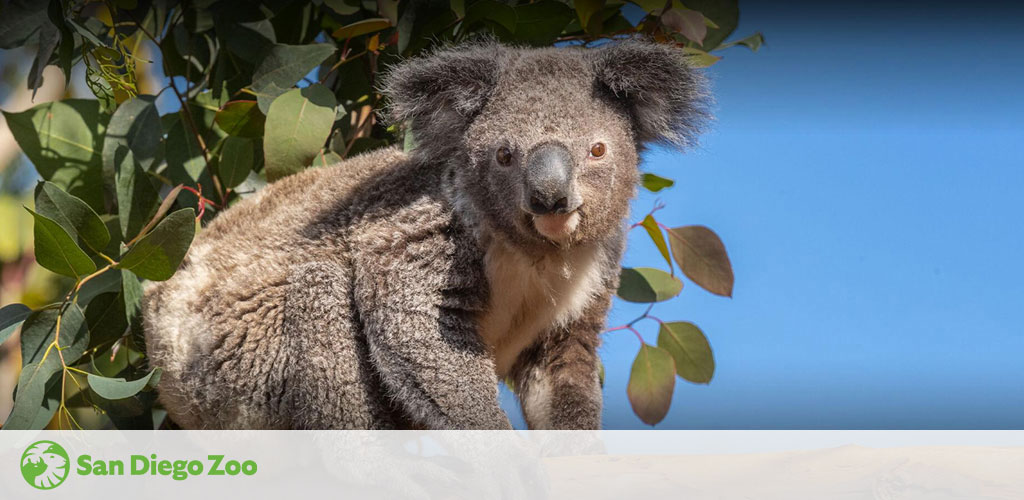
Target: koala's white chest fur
{"x":529,"y":296}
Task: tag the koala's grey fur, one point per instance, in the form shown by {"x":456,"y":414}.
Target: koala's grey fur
{"x":395,"y":290}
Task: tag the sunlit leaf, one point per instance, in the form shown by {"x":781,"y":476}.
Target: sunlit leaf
{"x":362,"y":27}
{"x":690,"y":350}
{"x":62,"y":139}
{"x":701,"y":255}
{"x":651,"y":226}
{"x":651,"y":381}
{"x":645,"y":284}
{"x":298,"y":125}
{"x":241,"y":119}
{"x":655,"y":183}
{"x":699,"y":58}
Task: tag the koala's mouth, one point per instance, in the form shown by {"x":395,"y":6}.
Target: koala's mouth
{"x":556,"y":227}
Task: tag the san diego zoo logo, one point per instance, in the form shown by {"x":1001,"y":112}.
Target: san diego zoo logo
{"x":44,"y":465}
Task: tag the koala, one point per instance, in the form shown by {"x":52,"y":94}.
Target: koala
{"x":396,"y":290}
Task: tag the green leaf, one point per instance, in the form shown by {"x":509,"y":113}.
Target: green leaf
{"x":645,"y":284}
{"x":57,"y":251}
{"x":106,"y":319}
{"x":36,"y":401}
{"x":752,"y":42}
{"x":586,"y":10}
{"x":686,"y":22}
{"x":157,"y":255}
{"x":702,"y":257}
{"x":490,"y":10}
{"x":539,"y":23}
{"x":458,"y":7}
{"x":119,"y":388}
{"x":286,"y":64}
{"x":341,"y":7}
{"x":131,"y":291}
{"x":134,"y":132}
{"x":655,"y":183}
{"x":241,"y":119}
{"x":21,"y":21}
{"x":62,"y":140}
{"x":359,"y":28}
{"x":651,"y":381}
{"x":185,"y":160}
{"x":11,"y":316}
{"x":725,"y":14}
{"x":105,"y":282}
{"x":77,"y":218}
{"x":137,"y":198}
{"x":699,"y":58}
{"x":236,"y":161}
{"x":326,"y":159}
{"x":298,"y":125}
{"x":654,"y":232}
{"x":650,"y":6}
{"x":40,"y":329}
{"x":690,"y":350}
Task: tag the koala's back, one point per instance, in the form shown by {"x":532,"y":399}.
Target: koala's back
{"x":250,"y":308}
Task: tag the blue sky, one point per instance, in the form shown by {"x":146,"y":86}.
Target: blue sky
{"x":866,"y":173}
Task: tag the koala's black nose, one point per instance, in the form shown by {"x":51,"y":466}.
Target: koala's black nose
{"x":550,"y":180}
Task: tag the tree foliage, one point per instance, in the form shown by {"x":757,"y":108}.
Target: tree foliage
{"x":262,"y":90}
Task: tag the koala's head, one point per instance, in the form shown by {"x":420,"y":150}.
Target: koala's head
{"x":546,"y":141}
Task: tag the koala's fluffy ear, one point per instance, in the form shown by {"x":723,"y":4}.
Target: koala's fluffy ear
{"x":666,"y":98}
{"x":439,"y":94}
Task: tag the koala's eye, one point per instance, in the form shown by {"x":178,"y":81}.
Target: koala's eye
{"x":597,"y":150}
{"x":503,"y":155}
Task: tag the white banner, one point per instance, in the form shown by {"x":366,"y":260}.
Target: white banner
{"x":494,"y":464}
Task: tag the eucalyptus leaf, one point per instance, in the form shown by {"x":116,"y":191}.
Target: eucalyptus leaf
{"x":286,"y":64}
{"x":645,"y":285}
{"x":655,"y":183}
{"x":36,"y":400}
{"x":57,"y":251}
{"x":11,"y":316}
{"x":62,"y":139}
{"x":77,"y":218}
{"x":119,"y":388}
{"x":40,"y":331}
{"x":651,"y":382}
{"x":236,"y":161}
{"x":298,"y":124}
{"x":690,"y":350}
{"x":241,"y":119}
{"x":157,"y":255}
{"x":654,"y":231}
{"x":699,"y":252}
